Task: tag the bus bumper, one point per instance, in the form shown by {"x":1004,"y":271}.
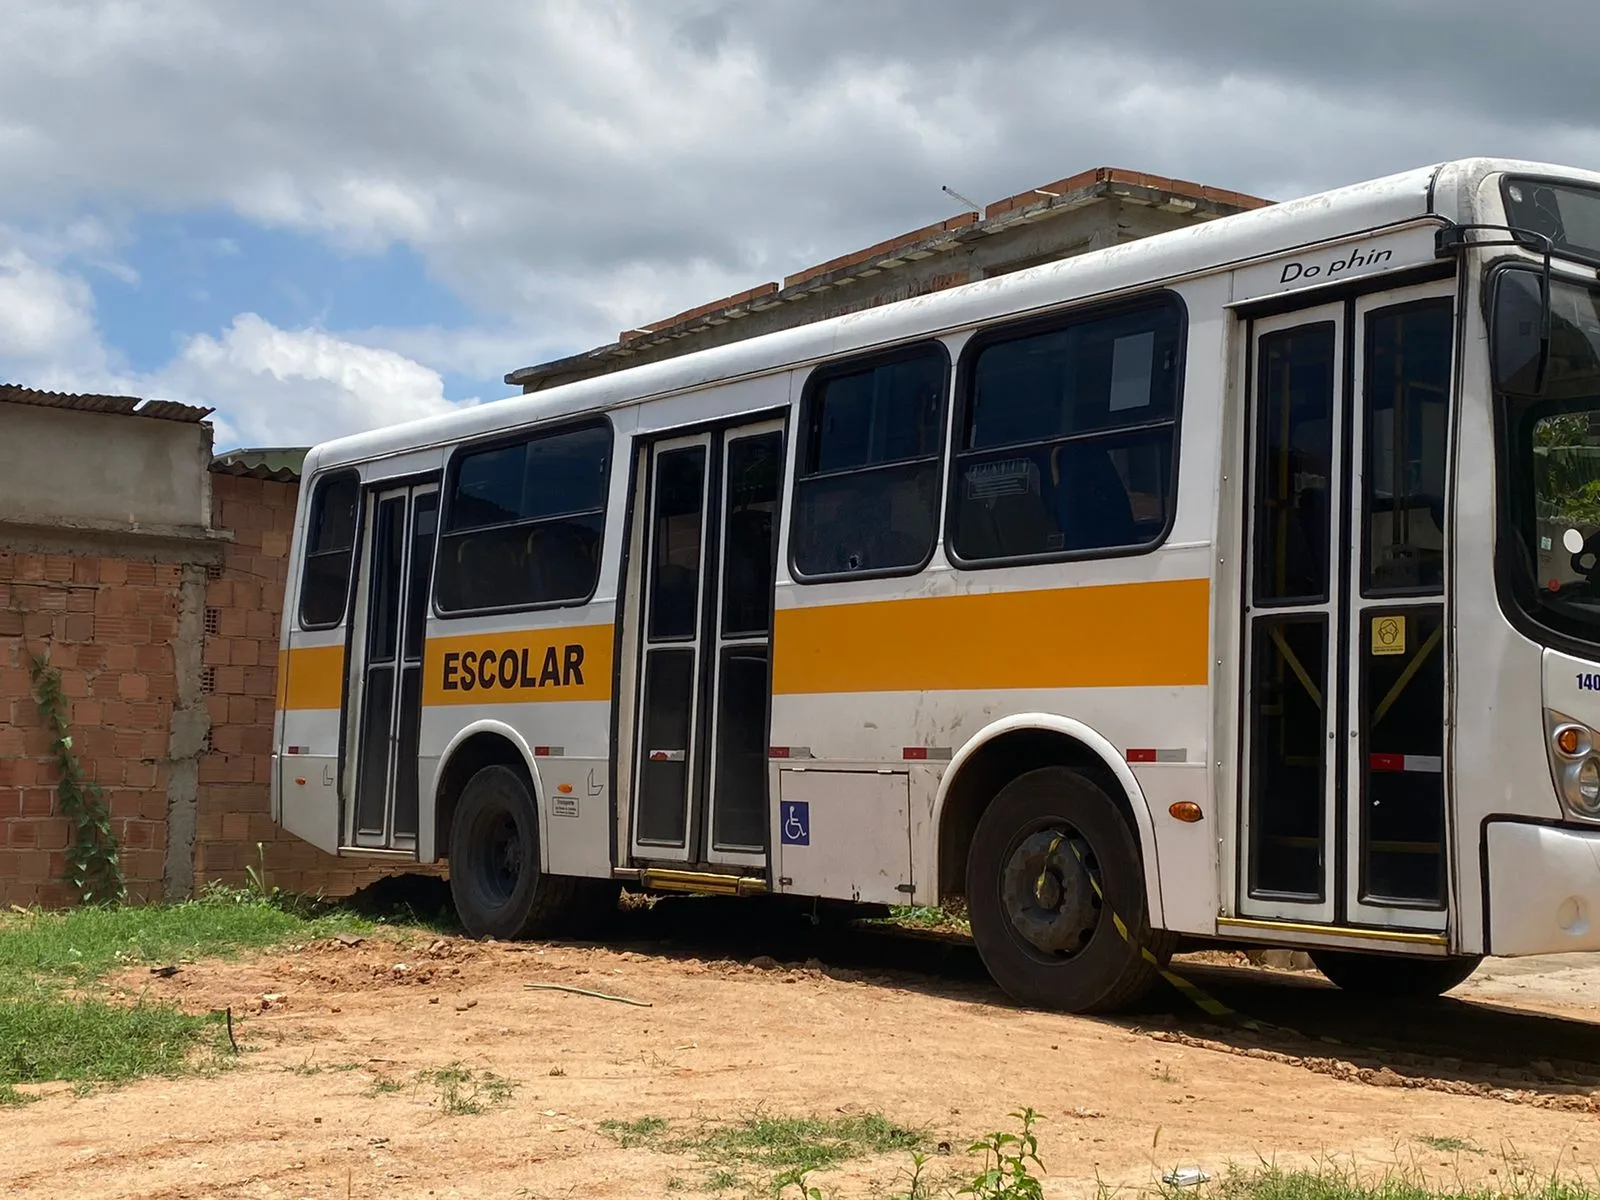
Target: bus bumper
{"x":1543,"y":888}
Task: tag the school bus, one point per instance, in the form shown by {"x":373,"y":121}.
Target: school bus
{"x":1239,"y":582}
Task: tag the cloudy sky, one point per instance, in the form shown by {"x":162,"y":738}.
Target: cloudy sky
{"x":321,"y":217}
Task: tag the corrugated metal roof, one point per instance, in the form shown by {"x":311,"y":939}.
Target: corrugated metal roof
{"x":126,"y":406}
{"x":280,"y":463}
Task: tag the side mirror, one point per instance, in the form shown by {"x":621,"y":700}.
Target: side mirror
{"x":1519,"y":333}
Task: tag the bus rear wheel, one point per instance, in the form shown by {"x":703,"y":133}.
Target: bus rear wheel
{"x":1391,"y":976}
{"x":1043,"y":929}
{"x":495,"y":879}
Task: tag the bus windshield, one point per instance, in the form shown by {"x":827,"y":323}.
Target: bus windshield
{"x":1552,"y":487}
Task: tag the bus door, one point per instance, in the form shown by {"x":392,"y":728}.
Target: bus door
{"x":399,"y":530}
{"x":699,"y":792}
{"x":1343,"y":813}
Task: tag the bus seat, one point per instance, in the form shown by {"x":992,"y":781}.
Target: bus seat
{"x":1092,"y":507}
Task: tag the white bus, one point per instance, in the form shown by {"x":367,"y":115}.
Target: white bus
{"x":1248,"y":572}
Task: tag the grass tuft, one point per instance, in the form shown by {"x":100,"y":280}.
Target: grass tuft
{"x":646,"y":1131}
{"x":11,"y":1098}
{"x":790,"y":1146}
{"x":43,"y":1037}
{"x":56,"y":1021}
{"x":806,"y":1143}
{"x":1341,"y":1183}
{"x":82,"y":944}
{"x":464,"y":1092}
{"x":1450,"y":1144}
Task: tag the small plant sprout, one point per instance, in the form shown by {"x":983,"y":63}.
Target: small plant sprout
{"x":1006,"y":1173}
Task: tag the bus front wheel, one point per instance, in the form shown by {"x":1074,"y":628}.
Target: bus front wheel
{"x":1391,"y":976}
{"x":1051,"y":859}
{"x":495,"y":879}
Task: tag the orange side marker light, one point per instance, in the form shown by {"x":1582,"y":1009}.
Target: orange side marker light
{"x":1187,"y":811}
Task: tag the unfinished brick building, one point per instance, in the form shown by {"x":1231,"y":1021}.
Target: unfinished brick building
{"x":151,"y":576}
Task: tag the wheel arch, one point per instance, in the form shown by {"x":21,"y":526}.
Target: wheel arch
{"x":1014,"y":746}
{"x":481,"y":744}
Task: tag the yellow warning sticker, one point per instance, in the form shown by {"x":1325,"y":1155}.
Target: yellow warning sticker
{"x":1388,"y":635}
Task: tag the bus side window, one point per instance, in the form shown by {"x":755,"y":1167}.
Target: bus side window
{"x":866,"y":495}
{"x":330,"y":544}
{"x":523,"y":522}
{"x":1066,"y":443}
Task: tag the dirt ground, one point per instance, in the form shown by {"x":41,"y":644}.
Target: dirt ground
{"x":326,"y":1099}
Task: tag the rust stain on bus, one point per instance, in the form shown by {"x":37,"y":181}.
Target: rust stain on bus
{"x":1122,"y":635}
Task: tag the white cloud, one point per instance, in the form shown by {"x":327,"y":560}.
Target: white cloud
{"x":270,"y":386}
{"x":600,"y":163}
{"x":571,"y":168}
{"x":46,"y":316}
{"x":275,"y":386}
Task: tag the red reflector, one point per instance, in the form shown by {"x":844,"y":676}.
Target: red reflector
{"x":658,"y":756}
{"x":541,"y":751}
{"x":291,"y":749}
{"x":917,"y":753}
{"x":1141,"y":756}
{"x":1386,"y":762}
{"x":777,"y":752}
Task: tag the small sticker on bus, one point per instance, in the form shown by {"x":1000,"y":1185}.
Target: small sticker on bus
{"x":1389,"y":635}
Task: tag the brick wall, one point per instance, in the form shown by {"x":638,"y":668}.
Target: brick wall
{"x":109,"y":624}
{"x":244,"y":603}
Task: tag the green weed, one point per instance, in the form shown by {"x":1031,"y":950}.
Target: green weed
{"x":1340,"y":1183}
{"x":11,"y":1098}
{"x":1449,"y":1144}
{"x":56,"y":1021}
{"x":465,"y":1092}
{"x":1007,"y":1174}
{"x":646,"y":1131}
{"x":45,"y":1037}
{"x":953,"y":918}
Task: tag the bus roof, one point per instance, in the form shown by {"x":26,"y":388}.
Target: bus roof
{"x":1170,"y":256}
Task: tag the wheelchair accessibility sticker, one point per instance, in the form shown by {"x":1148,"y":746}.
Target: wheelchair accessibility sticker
{"x":797,"y":823}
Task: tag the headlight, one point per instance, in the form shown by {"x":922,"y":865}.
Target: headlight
{"x":1589,"y":785}
{"x":1576,"y":764}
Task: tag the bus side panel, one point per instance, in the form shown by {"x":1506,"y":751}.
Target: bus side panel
{"x":893,"y":671}
{"x":566,"y":743}
{"x":305,"y":771}
{"x":311,"y":684}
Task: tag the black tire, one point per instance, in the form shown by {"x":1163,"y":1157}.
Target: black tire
{"x":495,"y":880}
{"x":1051,"y":943}
{"x":1391,"y":976}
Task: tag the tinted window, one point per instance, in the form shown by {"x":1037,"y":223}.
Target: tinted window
{"x":750,"y":525}
{"x":1067,"y":438}
{"x":867,"y":486}
{"x":1568,"y":214}
{"x":675,"y":557}
{"x":1406,"y":418}
{"x":330,"y":541}
{"x":1294,"y":463}
{"x":523,"y":522}
{"x":388,"y":549}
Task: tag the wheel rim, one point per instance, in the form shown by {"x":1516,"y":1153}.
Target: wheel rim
{"x":1046,"y":894}
{"x":497,"y":856}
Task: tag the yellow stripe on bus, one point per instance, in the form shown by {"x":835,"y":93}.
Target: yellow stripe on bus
{"x":311,"y":677}
{"x":1122,"y":635}
{"x":519,"y":666}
